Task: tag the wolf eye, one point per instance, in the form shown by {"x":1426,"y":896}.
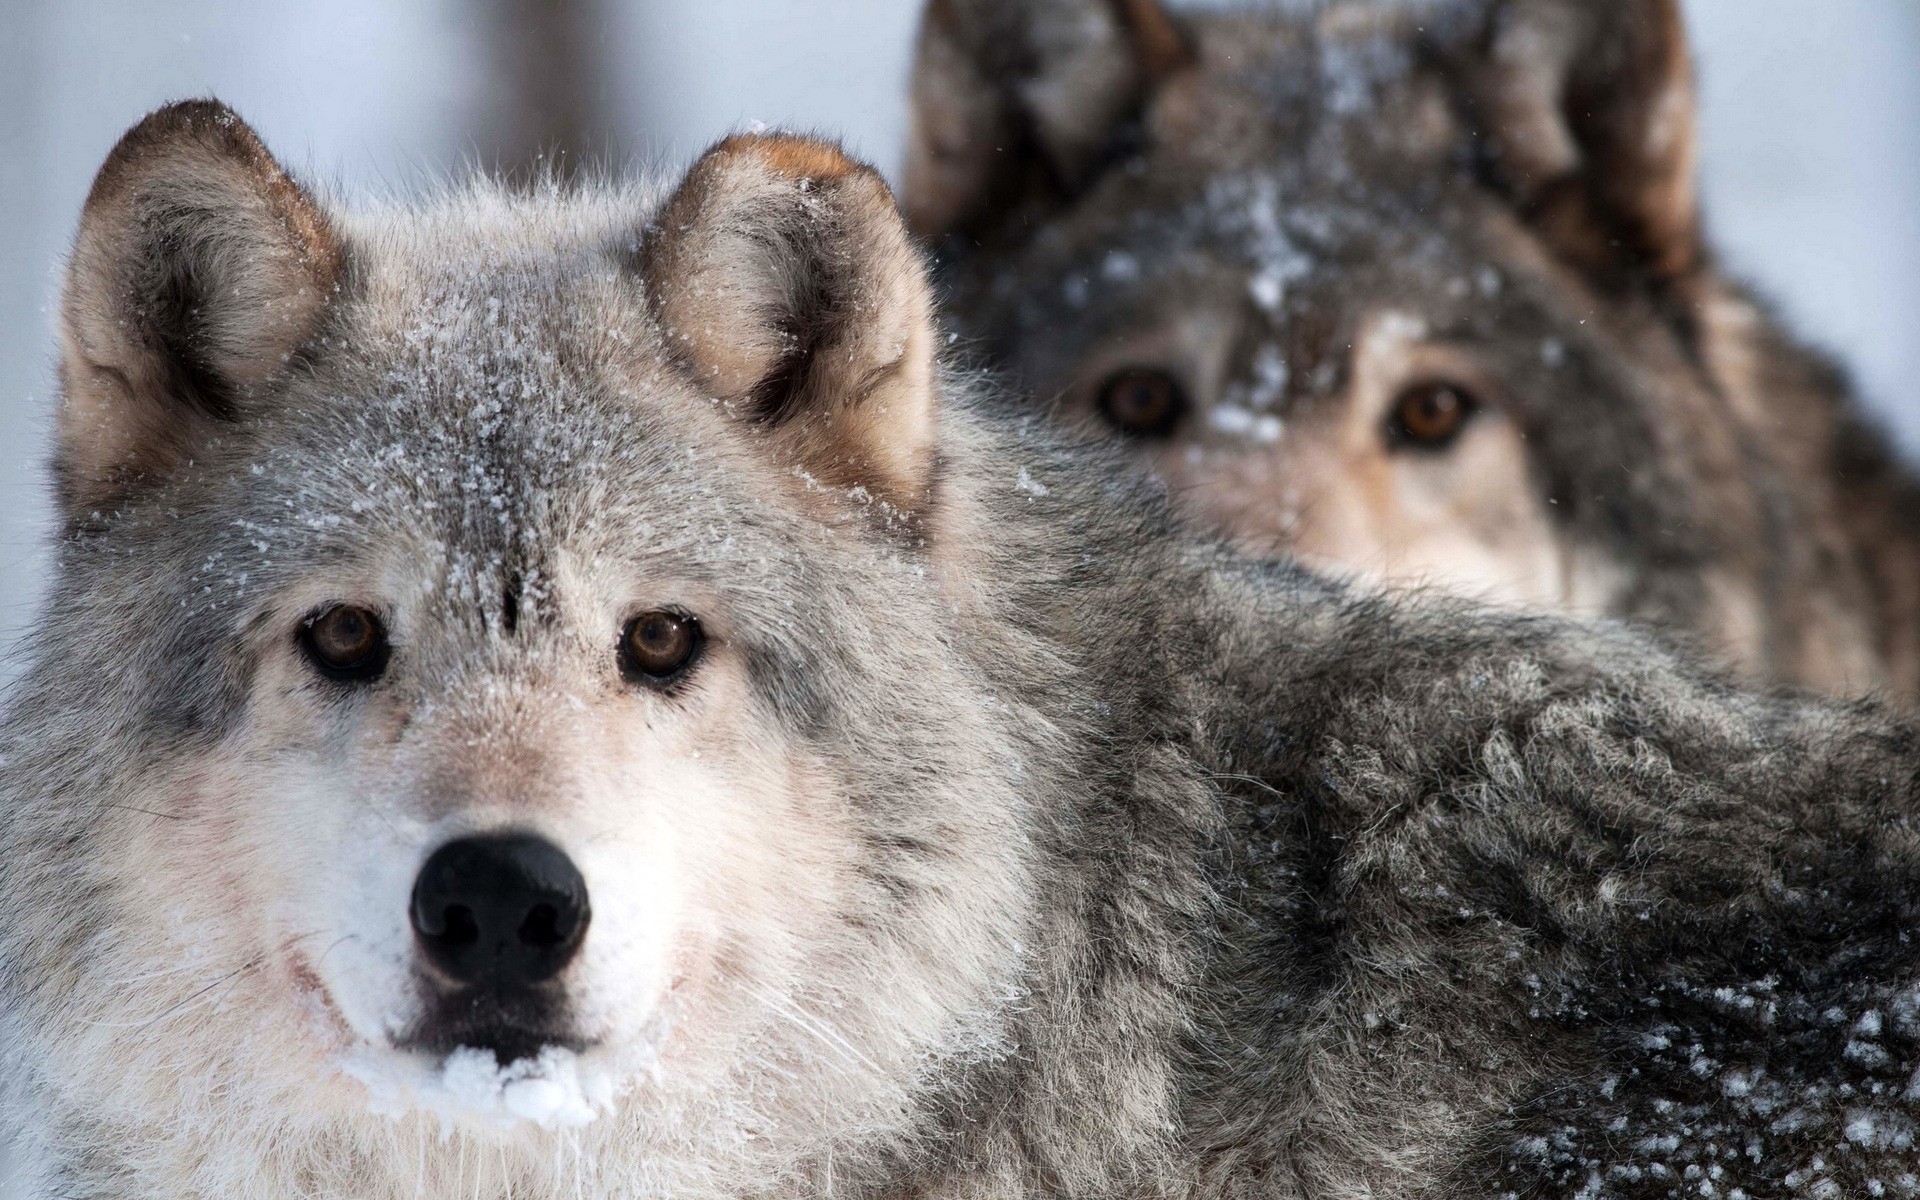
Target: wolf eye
{"x":1429,"y":415}
{"x":1142,"y":402}
{"x":658,"y":646}
{"x":345,"y":642}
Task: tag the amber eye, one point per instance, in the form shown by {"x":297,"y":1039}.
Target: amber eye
{"x":1142,"y":402}
{"x":659,"y":646}
{"x":345,"y":642}
{"x":1428,"y":416}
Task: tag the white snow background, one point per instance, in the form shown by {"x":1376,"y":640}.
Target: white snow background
{"x":1811,"y":111}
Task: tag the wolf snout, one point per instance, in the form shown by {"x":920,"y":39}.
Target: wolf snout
{"x":500,"y":911}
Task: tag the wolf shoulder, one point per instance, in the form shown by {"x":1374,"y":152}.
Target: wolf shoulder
{"x":1446,"y":724}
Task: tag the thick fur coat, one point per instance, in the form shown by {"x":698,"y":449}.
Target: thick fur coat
{"x":1003,"y":840}
{"x":1260,"y":242}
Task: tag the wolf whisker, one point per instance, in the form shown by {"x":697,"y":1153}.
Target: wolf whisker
{"x":785,"y":1007}
{"x":195,"y":1000}
{"x":192,"y":1002}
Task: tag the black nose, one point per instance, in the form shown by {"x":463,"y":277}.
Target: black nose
{"x":504,"y":909}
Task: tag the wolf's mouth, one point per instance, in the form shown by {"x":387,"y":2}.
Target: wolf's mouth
{"x":473,"y":1088}
{"x":512,"y":1023}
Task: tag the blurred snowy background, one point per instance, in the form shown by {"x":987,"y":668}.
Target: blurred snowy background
{"x":1811,"y":112}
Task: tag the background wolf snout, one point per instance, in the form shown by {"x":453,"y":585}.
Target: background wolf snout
{"x":501,"y":910}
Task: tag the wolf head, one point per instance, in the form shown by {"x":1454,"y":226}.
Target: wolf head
{"x":1415,"y":290}
{"x":488,"y":679}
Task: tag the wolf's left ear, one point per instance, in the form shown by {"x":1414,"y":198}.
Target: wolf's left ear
{"x":1017,"y":105}
{"x":788,"y":289}
{"x":1589,"y":112}
{"x":199,"y":269}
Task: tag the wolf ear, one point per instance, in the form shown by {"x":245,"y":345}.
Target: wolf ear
{"x":788,"y":288}
{"x":199,"y":268}
{"x":1590,"y":112}
{"x":1015,"y":104}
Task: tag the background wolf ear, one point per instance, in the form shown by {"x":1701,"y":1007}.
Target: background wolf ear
{"x":1015,"y":105}
{"x":1589,"y":112}
{"x":788,"y":287}
{"x":199,"y":268}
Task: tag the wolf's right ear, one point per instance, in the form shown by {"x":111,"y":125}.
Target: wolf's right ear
{"x":199,"y":268}
{"x":1015,"y":104}
{"x":788,"y":289}
{"x":1588,"y":110}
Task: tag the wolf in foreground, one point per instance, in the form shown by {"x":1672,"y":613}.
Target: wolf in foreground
{"x":565,"y":695}
{"x":1417,"y":289}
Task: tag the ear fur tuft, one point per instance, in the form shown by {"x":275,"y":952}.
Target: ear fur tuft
{"x":788,"y":287}
{"x":200,"y":267}
{"x":1015,"y":104}
{"x":1590,"y":109}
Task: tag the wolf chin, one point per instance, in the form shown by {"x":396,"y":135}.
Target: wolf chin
{"x":1418,"y":292}
{"x":565,"y":694}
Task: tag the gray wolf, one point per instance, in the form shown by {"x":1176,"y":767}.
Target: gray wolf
{"x":565,"y":694}
{"x":1417,"y":292}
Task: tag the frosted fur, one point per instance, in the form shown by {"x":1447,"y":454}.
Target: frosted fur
{"x":470,"y":1086}
{"x":1023,"y":844}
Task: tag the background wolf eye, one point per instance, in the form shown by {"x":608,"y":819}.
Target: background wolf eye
{"x":659,"y":645}
{"x":1429,"y":415}
{"x":345,"y":642}
{"x":1142,"y":402}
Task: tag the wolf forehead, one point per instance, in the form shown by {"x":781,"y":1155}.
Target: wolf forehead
{"x":1294,"y":183}
{"x":487,"y":363}
{"x":482,"y":396}
{"x":1279,"y":226}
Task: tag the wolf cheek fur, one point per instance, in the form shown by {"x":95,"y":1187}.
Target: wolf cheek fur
{"x":1302,"y":218}
{"x":999,"y":840}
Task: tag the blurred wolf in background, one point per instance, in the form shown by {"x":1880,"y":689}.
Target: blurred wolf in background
{"x":1417,"y":290}
{"x":562,"y":695}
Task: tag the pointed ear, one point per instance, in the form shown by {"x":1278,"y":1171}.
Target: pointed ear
{"x":199,"y":269}
{"x":1590,"y":110}
{"x":1015,"y":105}
{"x":788,"y":288}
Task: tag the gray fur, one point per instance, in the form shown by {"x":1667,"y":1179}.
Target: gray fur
{"x":1156,"y":872}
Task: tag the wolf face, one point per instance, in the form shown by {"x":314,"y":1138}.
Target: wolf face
{"x":481,"y":678}
{"x":1416,"y":292}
